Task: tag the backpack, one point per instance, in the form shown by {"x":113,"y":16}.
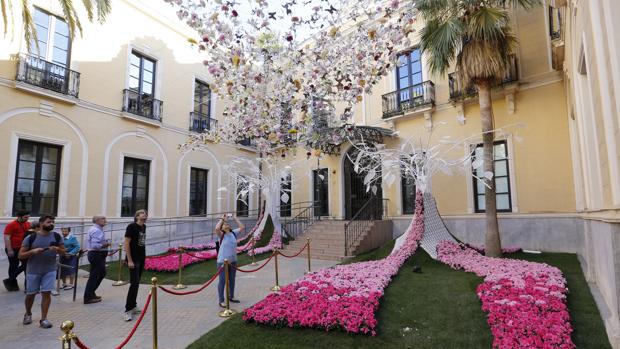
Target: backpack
{"x":32,"y":237}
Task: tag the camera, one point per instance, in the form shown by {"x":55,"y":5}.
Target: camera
{"x":229,"y":215}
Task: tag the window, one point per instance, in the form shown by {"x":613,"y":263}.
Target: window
{"x":320,"y":192}
{"x":243,"y":198}
{"x":141,"y":74}
{"x":202,"y":98}
{"x":407,"y":192}
{"x":52,"y":38}
{"x":502,"y":179}
{"x":198,"y":191}
{"x":285,"y":188}
{"x":37,"y":177}
{"x":409,"y":69}
{"x":135,"y":186}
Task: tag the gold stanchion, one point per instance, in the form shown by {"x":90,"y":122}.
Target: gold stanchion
{"x":179,"y":285}
{"x":227,"y":312}
{"x":67,"y":327}
{"x":120,"y":281}
{"x":253,"y":254}
{"x":154,"y":308}
{"x":277,"y":285}
{"x":308,"y":245}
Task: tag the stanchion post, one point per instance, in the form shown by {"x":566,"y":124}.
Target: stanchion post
{"x":119,"y":281}
{"x":154,"y":309}
{"x":67,"y":327}
{"x":276,"y":287}
{"x":227,"y":312}
{"x":57,"y":293}
{"x":308,"y":247}
{"x":179,"y":285}
{"x":253,"y":254}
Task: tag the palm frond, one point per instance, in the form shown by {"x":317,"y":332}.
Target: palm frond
{"x":30,"y":32}
{"x":69,"y":12}
{"x":441,"y":40}
{"x":488,"y":24}
{"x":434,"y":9}
{"x":88,"y":5}
{"x":525,"y":4}
{"x":104,"y":7}
{"x":5,"y":19}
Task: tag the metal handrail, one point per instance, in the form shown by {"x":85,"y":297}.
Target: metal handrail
{"x":36,"y":71}
{"x":301,"y":222}
{"x":370,"y":211}
{"x":408,"y":98}
{"x":199,"y":122}
{"x":459,"y":91}
{"x":144,"y":105}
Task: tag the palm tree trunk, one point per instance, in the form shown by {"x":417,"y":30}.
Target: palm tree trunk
{"x":492,"y":240}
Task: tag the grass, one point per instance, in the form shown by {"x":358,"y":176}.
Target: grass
{"x":435,"y":309}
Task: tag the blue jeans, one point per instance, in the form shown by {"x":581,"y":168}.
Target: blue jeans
{"x":222,"y":282}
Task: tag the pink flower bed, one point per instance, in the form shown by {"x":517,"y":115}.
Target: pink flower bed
{"x":274,"y":242}
{"x":525,"y":301}
{"x":343,"y":297}
{"x":509,"y":249}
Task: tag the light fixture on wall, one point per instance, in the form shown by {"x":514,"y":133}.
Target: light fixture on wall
{"x":334,"y":172}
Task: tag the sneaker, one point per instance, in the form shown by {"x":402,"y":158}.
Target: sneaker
{"x":222,"y":305}
{"x":45,"y":323}
{"x":7,"y":284}
{"x":127,"y":316}
{"x":98,"y":297}
{"x":27,"y":319}
{"x":64,"y":286}
{"x":92,"y":300}
{"x":55,"y":292}
{"x":136,"y":310}
{"x":67,"y":287}
{"x":233,"y":300}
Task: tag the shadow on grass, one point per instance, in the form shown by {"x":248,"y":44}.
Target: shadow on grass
{"x":435,"y":309}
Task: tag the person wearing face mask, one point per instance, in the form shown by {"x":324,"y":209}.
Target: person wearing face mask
{"x":41,"y":249}
{"x":14,"y":234}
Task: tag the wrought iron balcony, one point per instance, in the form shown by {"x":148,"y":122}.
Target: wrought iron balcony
{"x":142,"y":104}
{"x":408,"y":99}
{"x":51,"y":76}
{"x":199,"y":122}
{"x":459,"y":91}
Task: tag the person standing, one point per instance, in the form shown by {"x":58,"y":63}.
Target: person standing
{"x":41,"y":249}
{"x":135,"y":254}
{"x":14,"y":234}
{"x":97,"y":254}
{"x":72,"y":246}
{"x":228,"y":250}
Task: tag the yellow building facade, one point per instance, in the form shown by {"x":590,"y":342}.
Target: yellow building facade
{"x":108,"y":143}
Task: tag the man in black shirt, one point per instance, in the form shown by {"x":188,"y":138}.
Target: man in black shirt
{"x":135,"y":252}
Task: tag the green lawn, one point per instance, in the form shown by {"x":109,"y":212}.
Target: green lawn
{"x":194,"y":274}
{"x":436,"y":309}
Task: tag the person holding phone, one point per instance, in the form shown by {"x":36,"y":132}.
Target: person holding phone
{"x":135,"y":254}
{"x":41,"y":249}
{"x":228,"y":250}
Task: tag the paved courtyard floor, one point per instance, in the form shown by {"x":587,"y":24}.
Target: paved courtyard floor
{"x":182,"y":319}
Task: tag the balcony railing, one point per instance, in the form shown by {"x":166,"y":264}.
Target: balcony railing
{"x":51,"y":76}
{"x":408,"y":99}
{"x":199,"y":122}
{"x":459,"y":91}
{"x":142,"y":104}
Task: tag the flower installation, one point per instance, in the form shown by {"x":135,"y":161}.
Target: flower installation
{"x":274,"y":242}
{"x":344,"y":297}
{"x":525,"y":301}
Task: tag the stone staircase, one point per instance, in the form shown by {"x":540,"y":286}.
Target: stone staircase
{"x":326,"y":241}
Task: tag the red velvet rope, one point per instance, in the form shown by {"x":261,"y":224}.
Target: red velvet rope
{"x":257,"y":269}
{"x":112,"y":253}
{"x":295,"y":255}
{"x":198,"y":257}
{"x":79,"y":343}
{"x":135,"y":327}
{"x":162,"y":256}
{"x":193,"y":291}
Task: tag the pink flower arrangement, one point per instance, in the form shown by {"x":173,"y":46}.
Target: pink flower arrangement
{"x":525,"y":301}
{"x":274,"y":242}
{"x":343,"y":297}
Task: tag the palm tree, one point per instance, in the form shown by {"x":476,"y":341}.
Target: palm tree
{"x":476,"y":36}
{"x":101,"y":7}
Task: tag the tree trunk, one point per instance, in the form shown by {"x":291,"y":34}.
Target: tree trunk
{"x":492,"y":240}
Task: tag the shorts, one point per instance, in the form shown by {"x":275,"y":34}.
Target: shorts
{"x":36,"y":283}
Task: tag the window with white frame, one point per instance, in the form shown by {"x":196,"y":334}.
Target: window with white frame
{"x":52,"y":38}
{"x":501,"y":176}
